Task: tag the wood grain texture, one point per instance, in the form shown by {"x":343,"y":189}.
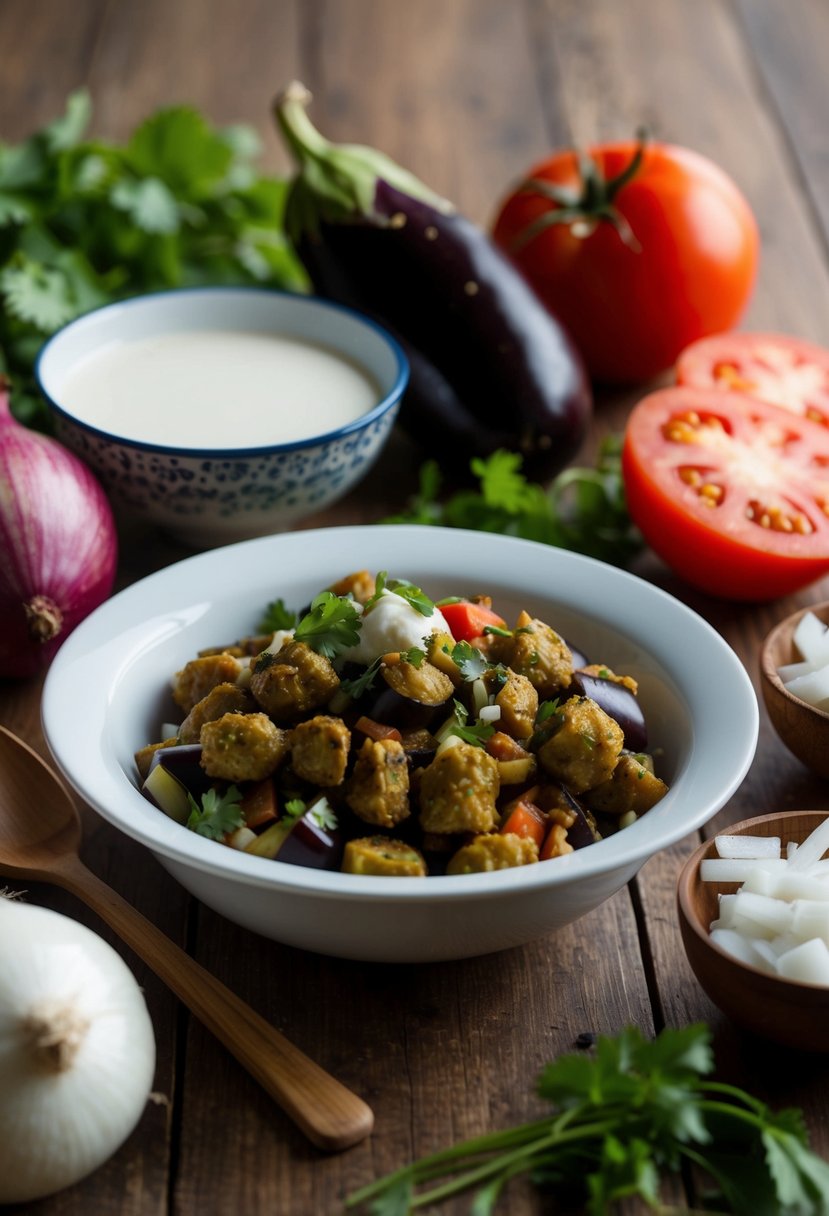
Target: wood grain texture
{"x":467,"y":95}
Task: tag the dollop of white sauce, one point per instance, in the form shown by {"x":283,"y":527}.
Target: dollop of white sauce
{"x":390,"y":624}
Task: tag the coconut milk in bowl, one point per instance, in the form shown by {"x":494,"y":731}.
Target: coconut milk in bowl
{"x":224,"y":413}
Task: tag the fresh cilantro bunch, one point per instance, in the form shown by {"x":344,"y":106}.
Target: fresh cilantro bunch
{"x":583,"y":509}
{"x":331,"y":626}
{"x":84,"y":222}
{"x":636,"y":1110}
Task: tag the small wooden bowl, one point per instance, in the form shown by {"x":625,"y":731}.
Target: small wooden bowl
{"x":803,"y":729}
{"x":786,"y":1011}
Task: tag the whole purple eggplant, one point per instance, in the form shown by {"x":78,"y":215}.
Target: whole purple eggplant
{"x":490,"y":368}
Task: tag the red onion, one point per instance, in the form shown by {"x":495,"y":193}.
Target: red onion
{"x":58,"y":546}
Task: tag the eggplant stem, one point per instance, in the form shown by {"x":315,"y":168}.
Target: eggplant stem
{"x":290,"y":111}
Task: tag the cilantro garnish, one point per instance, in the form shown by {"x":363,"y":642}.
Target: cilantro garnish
{"x":547,"y":709}
{"x":277,"y":616}
{"x":498,"y":631}
{"x":217,"y":815}
{"x":362,"y":683}
{"x":414,"y":656}
{"x":413,"y":595}
{"x":294,"y":808}
{"x":406,"y":590}
{"x":583,"y":509}
{"x":468,"y":660}
{"x":476,"y":733}
{"x":86,"y":222}
{"x":331,"y":626}
{"x":633,"y":1111}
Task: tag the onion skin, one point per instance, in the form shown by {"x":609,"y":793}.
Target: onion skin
{"x":58,"y":545}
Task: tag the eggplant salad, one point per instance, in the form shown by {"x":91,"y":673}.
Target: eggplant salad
{"x":378,"y":732}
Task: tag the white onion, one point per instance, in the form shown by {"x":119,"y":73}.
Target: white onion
{"x":778,"y":919}
{"x":77,"y":1052}
{"x":809,"y":679}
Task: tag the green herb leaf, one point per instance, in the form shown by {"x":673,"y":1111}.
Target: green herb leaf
{"x":583,"y":509}
{"x":414,"y":656}
{"x":468,"y":660}
{"x":412,"y":595}
{"x":276,"y":616}
{"x":332,"y":625}
{"x":217,"y":815}
{"x":294,"y":808}
{"x":362,"y":683}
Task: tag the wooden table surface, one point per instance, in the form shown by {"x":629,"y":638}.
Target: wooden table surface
{"x":466,"y":93}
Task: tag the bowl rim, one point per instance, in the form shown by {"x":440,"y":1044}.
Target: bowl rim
{"x":78,"y":746}
{"x":388,"y":402}
{"x":689,"y":876}
{"x":768,"y":670}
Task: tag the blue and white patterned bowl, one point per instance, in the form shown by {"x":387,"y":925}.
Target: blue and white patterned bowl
{"x":206,"y":496}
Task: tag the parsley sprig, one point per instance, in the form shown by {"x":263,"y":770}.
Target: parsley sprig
{"x":217,"y":815}
{"x":583,"y":509}
{"x":413,"y":595}
{"x":85,"y":222}
{"x":331,"y":626}
{"x":637,"y":1110}
{"x":277,"y":616}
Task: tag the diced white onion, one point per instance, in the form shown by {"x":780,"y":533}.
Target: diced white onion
{"x":778,"y":919}
{"x":811,"y":637}
{"x":808,"y":963}
{"x":754,"y":847}
{"x":490,"y":713}
{"x":480,"y":697}
{"x":812,"y":688}
{"x":736,"y":869}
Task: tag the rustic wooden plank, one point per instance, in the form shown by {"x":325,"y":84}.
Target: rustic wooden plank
{"x":448,"y":90}
{"x":789,"y":45}
{"x":47,"y":50}
{"x":441,"y":1052}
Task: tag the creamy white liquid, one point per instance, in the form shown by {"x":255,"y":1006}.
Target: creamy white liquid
{"x":217,"y":389}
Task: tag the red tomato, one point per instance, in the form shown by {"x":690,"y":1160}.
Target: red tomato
{"x":678,"y":263}
{"x":467,"y":621}
{"x":781,"y":370}
{"x":732,"y":493}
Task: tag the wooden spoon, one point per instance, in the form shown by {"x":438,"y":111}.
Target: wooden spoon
{"x":40,"y":834}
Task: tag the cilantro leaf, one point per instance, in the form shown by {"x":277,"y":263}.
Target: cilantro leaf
{"x":468,"y":660}
{"x":276,"y":616}
{"x":412,"y":595}
{"x":362,"y":683}
{"x":294,"y":808}
{"x":217,"y":815}
{"x":331,"y":626}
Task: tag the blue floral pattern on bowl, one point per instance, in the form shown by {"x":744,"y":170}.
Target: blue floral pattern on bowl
{"x":207,"y":496}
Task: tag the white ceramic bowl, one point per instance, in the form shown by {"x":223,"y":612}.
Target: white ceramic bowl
{"x":699,"y":703}
{"x":208,"y":495}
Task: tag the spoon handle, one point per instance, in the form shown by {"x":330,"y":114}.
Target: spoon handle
{"x":331,"y":1116}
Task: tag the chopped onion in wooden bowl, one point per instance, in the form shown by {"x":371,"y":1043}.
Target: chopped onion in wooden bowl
{"x":756,"y":931}
{"x":794,"y":679}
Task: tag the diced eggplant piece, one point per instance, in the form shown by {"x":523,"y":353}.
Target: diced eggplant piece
{"x":583,"y":831}
{"x":618,"y":702}
{"x":184,"y":763}
{"x":300,"y":841}
{"x":167,"y":793}
{"x":580,"y":659}
{"x":420,"y":747}
{"x":383,"y":704}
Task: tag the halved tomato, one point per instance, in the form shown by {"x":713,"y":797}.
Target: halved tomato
{"x":777,"y":368}
{"x":731,"y":492}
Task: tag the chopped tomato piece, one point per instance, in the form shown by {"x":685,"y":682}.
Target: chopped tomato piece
{"x":377,"y":730}
{"x":467,"y":620}
{"x":525,"y":819}
{"x":258,"y":803}
{"x":503,"y":747}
